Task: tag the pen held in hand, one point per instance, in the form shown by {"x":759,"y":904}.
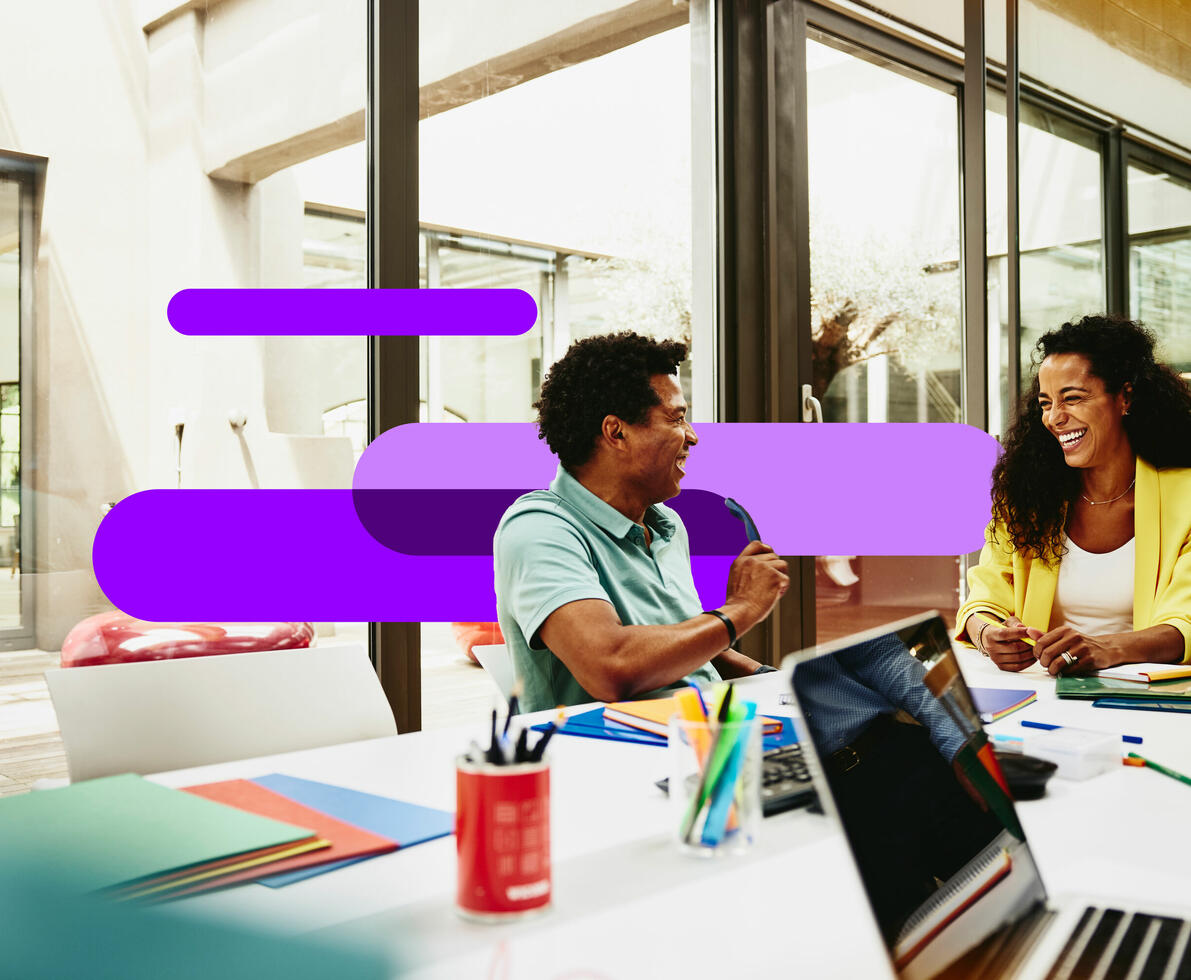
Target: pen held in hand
{"x":1027,"y":640}
{"x":742,"y":515}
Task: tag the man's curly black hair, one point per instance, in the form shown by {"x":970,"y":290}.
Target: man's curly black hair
{"x":600,"y":376}
{"x":1032,"y":485}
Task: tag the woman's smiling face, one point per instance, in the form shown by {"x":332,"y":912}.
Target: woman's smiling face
{"x":1078,"y":411}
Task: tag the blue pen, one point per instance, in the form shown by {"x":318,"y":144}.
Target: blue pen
{"x":742,"y":515}
{"x":1135,"y":739}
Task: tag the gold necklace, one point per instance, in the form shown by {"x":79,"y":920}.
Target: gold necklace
{"x":1097,"y":503}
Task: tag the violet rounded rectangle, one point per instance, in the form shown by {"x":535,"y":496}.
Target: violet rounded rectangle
{"x":351,"y":312}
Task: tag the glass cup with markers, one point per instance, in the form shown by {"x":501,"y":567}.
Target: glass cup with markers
{"x":715,"y":781}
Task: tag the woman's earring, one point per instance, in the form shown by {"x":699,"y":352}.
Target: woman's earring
{"x":1126,"y":412}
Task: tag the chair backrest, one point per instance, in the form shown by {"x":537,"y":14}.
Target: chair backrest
{"x":498,"y":663}
{"x":171,"y":714}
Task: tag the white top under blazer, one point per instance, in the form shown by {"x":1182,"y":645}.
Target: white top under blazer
{"x":1095,"y":592}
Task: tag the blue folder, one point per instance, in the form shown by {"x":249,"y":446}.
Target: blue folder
{"x":405,"y":823}
{"x":1141,"y":704}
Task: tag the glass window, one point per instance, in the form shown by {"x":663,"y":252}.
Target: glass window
{"x":567,"y":173}
{"x":1160,"y":258}
{"x":1061,"y":243}
{"x":14,"y":613}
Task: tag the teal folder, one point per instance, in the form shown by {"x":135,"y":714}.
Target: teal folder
{"x":120,"y":829}
{"x":1090,"y":688}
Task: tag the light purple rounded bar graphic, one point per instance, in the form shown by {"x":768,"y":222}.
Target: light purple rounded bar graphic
{"x":352,"y":312}
{"x":246,"y":554}
{"x":831,"y":489}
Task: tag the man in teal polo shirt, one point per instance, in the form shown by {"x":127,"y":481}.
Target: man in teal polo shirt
{"x":593,"y":576}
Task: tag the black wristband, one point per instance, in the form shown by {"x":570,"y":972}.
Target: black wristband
{"x":764,"y":669}
{"x":726,"y":621}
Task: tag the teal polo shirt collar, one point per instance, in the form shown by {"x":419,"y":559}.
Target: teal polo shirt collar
{"x":603,"y":514}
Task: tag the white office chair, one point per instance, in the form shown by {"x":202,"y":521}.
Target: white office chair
{"x":495,"y":659}
{"x":172,"y":714}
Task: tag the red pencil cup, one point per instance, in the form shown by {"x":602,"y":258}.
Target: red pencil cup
{"x":502,"y":837}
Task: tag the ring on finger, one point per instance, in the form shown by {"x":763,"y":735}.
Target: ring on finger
{"x":1068,"y":658}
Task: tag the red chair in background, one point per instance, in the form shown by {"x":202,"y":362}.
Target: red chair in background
{"x":116,"y":638}
{"x":470,"y":635}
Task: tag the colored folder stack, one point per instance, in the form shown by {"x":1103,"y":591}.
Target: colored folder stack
{"x":132,"y":839}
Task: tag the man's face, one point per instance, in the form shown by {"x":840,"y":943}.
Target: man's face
{"x":659,"y":446}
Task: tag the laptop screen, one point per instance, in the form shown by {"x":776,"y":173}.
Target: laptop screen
{"x":890,"y":724}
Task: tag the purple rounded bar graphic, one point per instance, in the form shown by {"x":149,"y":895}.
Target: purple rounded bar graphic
{"x":352,"y":312}
{"x":247,"y":555}
{"x":462,"y":522}
{"x":233,"y":555}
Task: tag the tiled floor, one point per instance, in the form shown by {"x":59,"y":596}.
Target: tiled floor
{"x":454,"y":691}
{"x":30,"y":747}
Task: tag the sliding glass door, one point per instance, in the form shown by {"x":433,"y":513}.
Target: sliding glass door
{"x":886,"y":331}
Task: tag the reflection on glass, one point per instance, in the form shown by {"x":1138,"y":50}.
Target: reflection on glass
{"x":921,"y":797}
{"x":1160,"y":259}
{"x":10,"y":404}
{"x":883,"y":152}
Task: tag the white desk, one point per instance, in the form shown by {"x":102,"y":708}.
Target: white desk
{"x":626,"y":904}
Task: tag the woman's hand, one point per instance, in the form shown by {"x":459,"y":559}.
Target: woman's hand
{"x":1004,"y":645}
{"x":1083,"y":653}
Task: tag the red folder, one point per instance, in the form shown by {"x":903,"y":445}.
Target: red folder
{"x":346,"y":841}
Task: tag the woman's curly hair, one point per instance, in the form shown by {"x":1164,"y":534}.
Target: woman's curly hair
{"x":1032,"y":485}
{"x":597,"y":377}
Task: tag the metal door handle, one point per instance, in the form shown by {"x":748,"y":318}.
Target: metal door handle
{"x":812,"y":411}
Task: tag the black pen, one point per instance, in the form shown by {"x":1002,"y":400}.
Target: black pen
{"x":513,"y":705}
{"x":495,"y":755}
{"x":540,"y":748}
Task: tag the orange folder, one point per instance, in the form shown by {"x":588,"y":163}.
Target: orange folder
{"x":654,"y":716}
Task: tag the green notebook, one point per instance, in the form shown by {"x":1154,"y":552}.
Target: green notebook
{"x":111,"y":831}
{"x":1088,"y":688}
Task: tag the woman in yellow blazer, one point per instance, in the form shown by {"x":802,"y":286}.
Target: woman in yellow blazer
{"x":1089,"y":551}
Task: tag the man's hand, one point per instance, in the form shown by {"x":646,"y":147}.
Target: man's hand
{"x":1004,"y":645}
{"x":756,"y":581}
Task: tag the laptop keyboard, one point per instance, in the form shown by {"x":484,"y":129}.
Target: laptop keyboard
{"x":1108,"y":944}
{"x":785,"y":780}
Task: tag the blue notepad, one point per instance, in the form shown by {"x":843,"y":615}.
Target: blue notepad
{"x":405,"y":823}
{"x":994,"y":703}
{"x":593,"y":724}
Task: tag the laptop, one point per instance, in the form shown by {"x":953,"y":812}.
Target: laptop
{"x":899,"y":756}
